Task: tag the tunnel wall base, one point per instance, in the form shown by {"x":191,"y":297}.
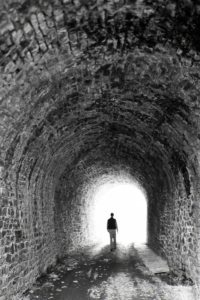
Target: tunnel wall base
{"x":72,"y":229}
{"x":27,"y":245}
{"x":173,"y":233}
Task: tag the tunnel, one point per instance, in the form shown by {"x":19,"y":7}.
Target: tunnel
{"x":91,"y":93}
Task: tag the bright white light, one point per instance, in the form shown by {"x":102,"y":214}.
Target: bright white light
{"x":129,"y":205}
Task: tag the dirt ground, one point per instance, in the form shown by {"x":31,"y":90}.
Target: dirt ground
{"x":97,"y":273}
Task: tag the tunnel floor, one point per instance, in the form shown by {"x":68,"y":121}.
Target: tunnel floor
{"x":96,"y":273}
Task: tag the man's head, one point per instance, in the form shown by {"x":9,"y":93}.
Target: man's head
{"x":112,"y":215}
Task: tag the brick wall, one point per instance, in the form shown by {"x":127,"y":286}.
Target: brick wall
{"x":26,"y":235}
{"x":173,"y":227}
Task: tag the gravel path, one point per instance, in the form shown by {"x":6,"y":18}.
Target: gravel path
{"x":97,"y":273}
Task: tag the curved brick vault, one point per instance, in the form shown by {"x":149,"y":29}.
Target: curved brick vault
{"x":91,"y":91}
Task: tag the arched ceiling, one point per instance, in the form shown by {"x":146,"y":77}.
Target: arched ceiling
{"x":108,"y":81}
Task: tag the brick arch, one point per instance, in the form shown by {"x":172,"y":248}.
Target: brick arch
{"x":111,"y":86}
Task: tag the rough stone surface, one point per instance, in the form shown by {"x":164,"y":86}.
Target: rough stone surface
{"x":92,"y":90}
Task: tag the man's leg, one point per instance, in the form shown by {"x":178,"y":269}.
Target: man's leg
{"x":111,"y":241}
{"x":114,"y":237}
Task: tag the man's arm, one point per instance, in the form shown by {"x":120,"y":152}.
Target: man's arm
{"x":116,"y":225}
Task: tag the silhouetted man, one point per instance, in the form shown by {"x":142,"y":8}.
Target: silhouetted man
{"x":111,"y":227}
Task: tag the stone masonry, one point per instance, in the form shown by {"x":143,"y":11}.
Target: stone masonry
{"x":90,"y":92}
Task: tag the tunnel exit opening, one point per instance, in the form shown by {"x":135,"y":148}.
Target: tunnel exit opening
{"x":129,"y":205}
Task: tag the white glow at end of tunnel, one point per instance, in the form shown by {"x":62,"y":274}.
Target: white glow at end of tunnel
{"x":129,"y":205}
